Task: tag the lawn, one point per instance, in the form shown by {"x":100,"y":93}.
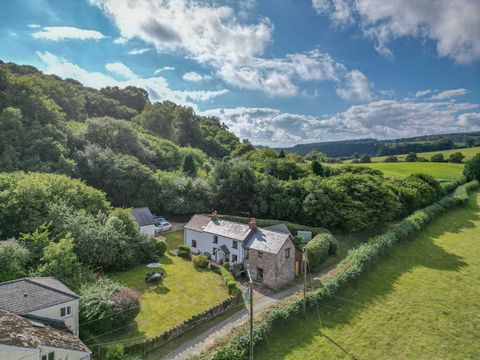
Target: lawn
{"x":468,"y":152}
{"x":447,"y":171}
{"x":185,"y":291}
{"x":173,"y":239}
{"x":421,"y":302}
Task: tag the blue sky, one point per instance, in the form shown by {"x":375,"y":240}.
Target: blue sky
{"x":278,"y":72}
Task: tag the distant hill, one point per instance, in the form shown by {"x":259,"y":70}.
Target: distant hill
{"x":372,"y":147}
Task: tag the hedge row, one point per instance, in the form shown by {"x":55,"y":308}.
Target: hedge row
{"x":452,"y":185}
{"x":293,"y":227}
{"x":235,"y":345}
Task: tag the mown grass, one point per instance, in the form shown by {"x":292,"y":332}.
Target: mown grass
{"x":446,"y":171}
{"x":421,"y":302}
{"x":468,"y":152}
{"x":174,"y":239}
{"x":185,"y":291}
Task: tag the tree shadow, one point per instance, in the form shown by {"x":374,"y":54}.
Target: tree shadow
{"x":421,"y":250}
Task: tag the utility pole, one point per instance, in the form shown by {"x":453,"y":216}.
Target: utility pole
{"x":250,"y":285}
{"x":304,"y":257}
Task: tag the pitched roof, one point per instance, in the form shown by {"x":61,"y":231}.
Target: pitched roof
{"x":143,"y":216}
{"x":265,"y":240}
{"x":281,"y":228}
{"x":18,"y":331}
{"x":198,"y":222}
{"x":269,"y":239}
{"x":25,"y":295}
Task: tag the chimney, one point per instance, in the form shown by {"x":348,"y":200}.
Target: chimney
{"x":214,"y":216}
{"x":252,"y":224}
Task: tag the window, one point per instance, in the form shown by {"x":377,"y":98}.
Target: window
{"x":260,"y":254}
{"x":194,"y":243}
{"x":65,"y":311}
{"x":214,"y":251}
{"x":234,"y":244}
{"x":49,"y":356}
{"x":287,"y":253}
{"x":234,"y":258}
{"x":215,"y":239}
{"x":246,"y":254}
{"x":259,"y":273}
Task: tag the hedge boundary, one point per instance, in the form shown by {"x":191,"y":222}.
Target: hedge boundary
{"x":234,"y":346}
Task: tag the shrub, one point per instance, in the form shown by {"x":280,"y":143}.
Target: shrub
{"x":200,"y":261}
{"x":411,"y":157}
{"x":456,"y":157}
{"x":472,"y":168}
{"x":229,"y":280}
{"x":317,"y":249}
{"x":183,"y":251}
{"x":125,"y":303}
{"x":161,"y":247}
{"x":333,"y":244}
{"x":391,"y":158}
{"x":226,"y":266}
{"x":437,"y":158}
{"x":232,"y":287}
{"x":115,"y":352}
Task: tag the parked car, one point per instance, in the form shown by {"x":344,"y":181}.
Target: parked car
{"x":163,"y":226}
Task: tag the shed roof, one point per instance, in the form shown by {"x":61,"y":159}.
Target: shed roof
{"x":25,"y":295}
{"x":143,"y":216}
{"x":18,"y":331}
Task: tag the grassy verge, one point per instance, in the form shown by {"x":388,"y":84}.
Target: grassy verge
{"x":417,"y":303}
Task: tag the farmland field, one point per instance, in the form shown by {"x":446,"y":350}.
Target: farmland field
{"x":420,"y":302}
{"x":447,"y":171}
{"x":468,"y":152}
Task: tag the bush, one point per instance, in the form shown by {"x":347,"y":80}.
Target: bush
{"x":183,"y":251}
{"x":333,"y":244}
{"x":411,"y":157}
{"x":232,"y":287}
{"x":456,"y":157}
{"x":226,"y":266}
{"x":229,"y":280}
{"x":125,"y":303}
{"x":391,"y":158}
{"x":437,"y":158}
{"x":161,"y":247}
{"x":472,"y":168}
{"x":200,"y":261}
{"x":317,"y":249}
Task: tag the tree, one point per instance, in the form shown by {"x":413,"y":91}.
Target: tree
{"x":456,"y":157}
{"x":61,"y":262}
{"x":317,"y":168}
{"x":391,"y":158}
{"x":365,"y":159}
{"x":411,"y":157}
{"x":14,"y":258}
{"x":281,"y":155}
{"x":472,"y":168}
{"x":470,"y":142}
{"x":437,"y":158}
{"x":189,"y":168}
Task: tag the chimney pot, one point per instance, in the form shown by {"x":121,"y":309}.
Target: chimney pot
{"x":252,"y":224}
{"x":214,"y":216}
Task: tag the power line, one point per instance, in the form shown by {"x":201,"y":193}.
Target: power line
{"x":104,"y":317}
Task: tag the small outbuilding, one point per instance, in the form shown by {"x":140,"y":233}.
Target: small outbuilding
{"x":145,"y":220}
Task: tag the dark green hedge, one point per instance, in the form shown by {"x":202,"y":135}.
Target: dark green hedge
{"x":235,"y":345}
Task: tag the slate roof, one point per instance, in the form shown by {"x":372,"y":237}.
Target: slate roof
{"x":18,"y":331}
{"x":269,"y":239}
{"x":198,"y":222}
{"x":143,"y":216}
{"x":265,"y":240}
{"x":281,"y":228}
{"x":25,"y":295}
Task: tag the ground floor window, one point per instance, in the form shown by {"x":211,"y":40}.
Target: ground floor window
{"x":234,"y":258}
{"x":194,"y":243}
{"x":214,"y":251}
{"x":49,"y":356}
{"x":259,"y":273}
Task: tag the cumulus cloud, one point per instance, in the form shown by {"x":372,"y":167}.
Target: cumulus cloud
{"x":138,"y":51}
{"x":355,"y":87}
{"x":231,"y":44}
{"x":450,"y":94}
{"x":193,"y":76}
{"x":165,"y":68}
{"x":157,"y":87}
{"x":34,"y":26}
{"x":56,"y":33}
{"x":380,"y":119}
{"x":452,"y":25}
{"x":120,"y":40}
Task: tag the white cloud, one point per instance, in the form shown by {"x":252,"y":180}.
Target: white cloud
{"x":138,"y":51}
{"x":193,"y":76}
{"x":232,"y":44}
{"x":452,"y":25}
{"x":120,"y":40}
{"x":165,"y":68}
{"x":421,"y":93}
{"x":157,"y":87}
{"x":56,"y":33}
{"x":120,"y":69}
{"x":449,"y":94}
{"x":34,"y":26}
{"x":380,"y":119}
{"x":355,"y":87}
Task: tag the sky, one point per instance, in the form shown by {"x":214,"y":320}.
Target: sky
{"x":278,"y":72}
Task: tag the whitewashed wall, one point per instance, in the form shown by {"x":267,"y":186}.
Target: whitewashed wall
{"x":148,"y":230}
{"x":53,"y":312}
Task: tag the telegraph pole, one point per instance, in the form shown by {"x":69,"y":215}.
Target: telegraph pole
{"x":250,"y":285}
{"x":304,"y":257}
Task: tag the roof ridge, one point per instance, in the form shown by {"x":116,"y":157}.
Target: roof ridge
{"x":31,"y":280}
